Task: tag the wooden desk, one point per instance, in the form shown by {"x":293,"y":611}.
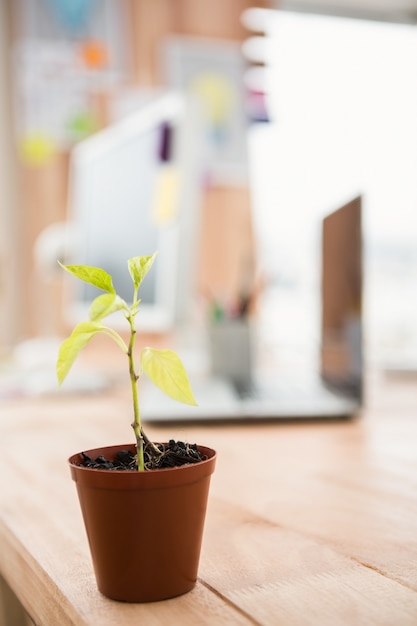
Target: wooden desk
{"x":320,"y":529}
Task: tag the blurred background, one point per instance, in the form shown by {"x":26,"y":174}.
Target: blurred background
{"x":306,"y":105}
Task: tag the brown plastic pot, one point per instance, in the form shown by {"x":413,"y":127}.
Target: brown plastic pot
{"x":144,"y":528}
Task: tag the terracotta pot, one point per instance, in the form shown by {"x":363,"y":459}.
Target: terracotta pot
{"x":144,"y":528}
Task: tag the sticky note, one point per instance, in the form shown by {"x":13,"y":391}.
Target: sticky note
{"x":166,"y":196}
{"x":37,"y":149}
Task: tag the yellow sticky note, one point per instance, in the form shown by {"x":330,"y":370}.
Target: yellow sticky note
{"x":37,"y":149}
{"x":166,"y":197}
{"x":216,"y":94}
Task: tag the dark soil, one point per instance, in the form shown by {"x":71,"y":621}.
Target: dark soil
{"x":172,"y":454}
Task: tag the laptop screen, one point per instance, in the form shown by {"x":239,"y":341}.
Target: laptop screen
{"x":341,"y":300}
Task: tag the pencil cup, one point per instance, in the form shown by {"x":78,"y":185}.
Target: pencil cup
{"x":231,"y":352}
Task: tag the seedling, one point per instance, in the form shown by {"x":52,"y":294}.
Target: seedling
{"x":163,"y":367}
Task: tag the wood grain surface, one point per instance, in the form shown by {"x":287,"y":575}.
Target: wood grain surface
{"x":308,"y":524}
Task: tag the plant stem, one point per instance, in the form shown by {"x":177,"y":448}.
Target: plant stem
{"x":136,"y":424}
{"x":141,"y":438}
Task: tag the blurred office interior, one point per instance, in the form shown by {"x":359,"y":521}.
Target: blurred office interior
{"x":329,"y":96}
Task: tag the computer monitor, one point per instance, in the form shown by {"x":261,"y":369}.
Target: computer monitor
{"x":134,"y":188}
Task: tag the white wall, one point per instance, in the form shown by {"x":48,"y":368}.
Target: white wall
{"x":343,"y":96}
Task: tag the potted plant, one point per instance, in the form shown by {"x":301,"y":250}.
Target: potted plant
{"x":143,"y":503}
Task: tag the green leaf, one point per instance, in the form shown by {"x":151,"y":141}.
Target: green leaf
{"x":166,"y":371}
{"x":79,"y":337}
{"x":105,"y":305}
{"x":92,"y":275}
{"x":139,"y":266}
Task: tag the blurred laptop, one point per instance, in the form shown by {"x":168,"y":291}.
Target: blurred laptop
{"x":336,"y":390}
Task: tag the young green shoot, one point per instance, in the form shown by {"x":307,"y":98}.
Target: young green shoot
{"x":163,"y":367}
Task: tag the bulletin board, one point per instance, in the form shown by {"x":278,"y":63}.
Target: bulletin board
{"x":211,"y":71}
{"x":65,"y":51}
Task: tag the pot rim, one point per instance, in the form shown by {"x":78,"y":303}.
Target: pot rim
{"x":187,"y":473}
{"x":129,"y":446}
